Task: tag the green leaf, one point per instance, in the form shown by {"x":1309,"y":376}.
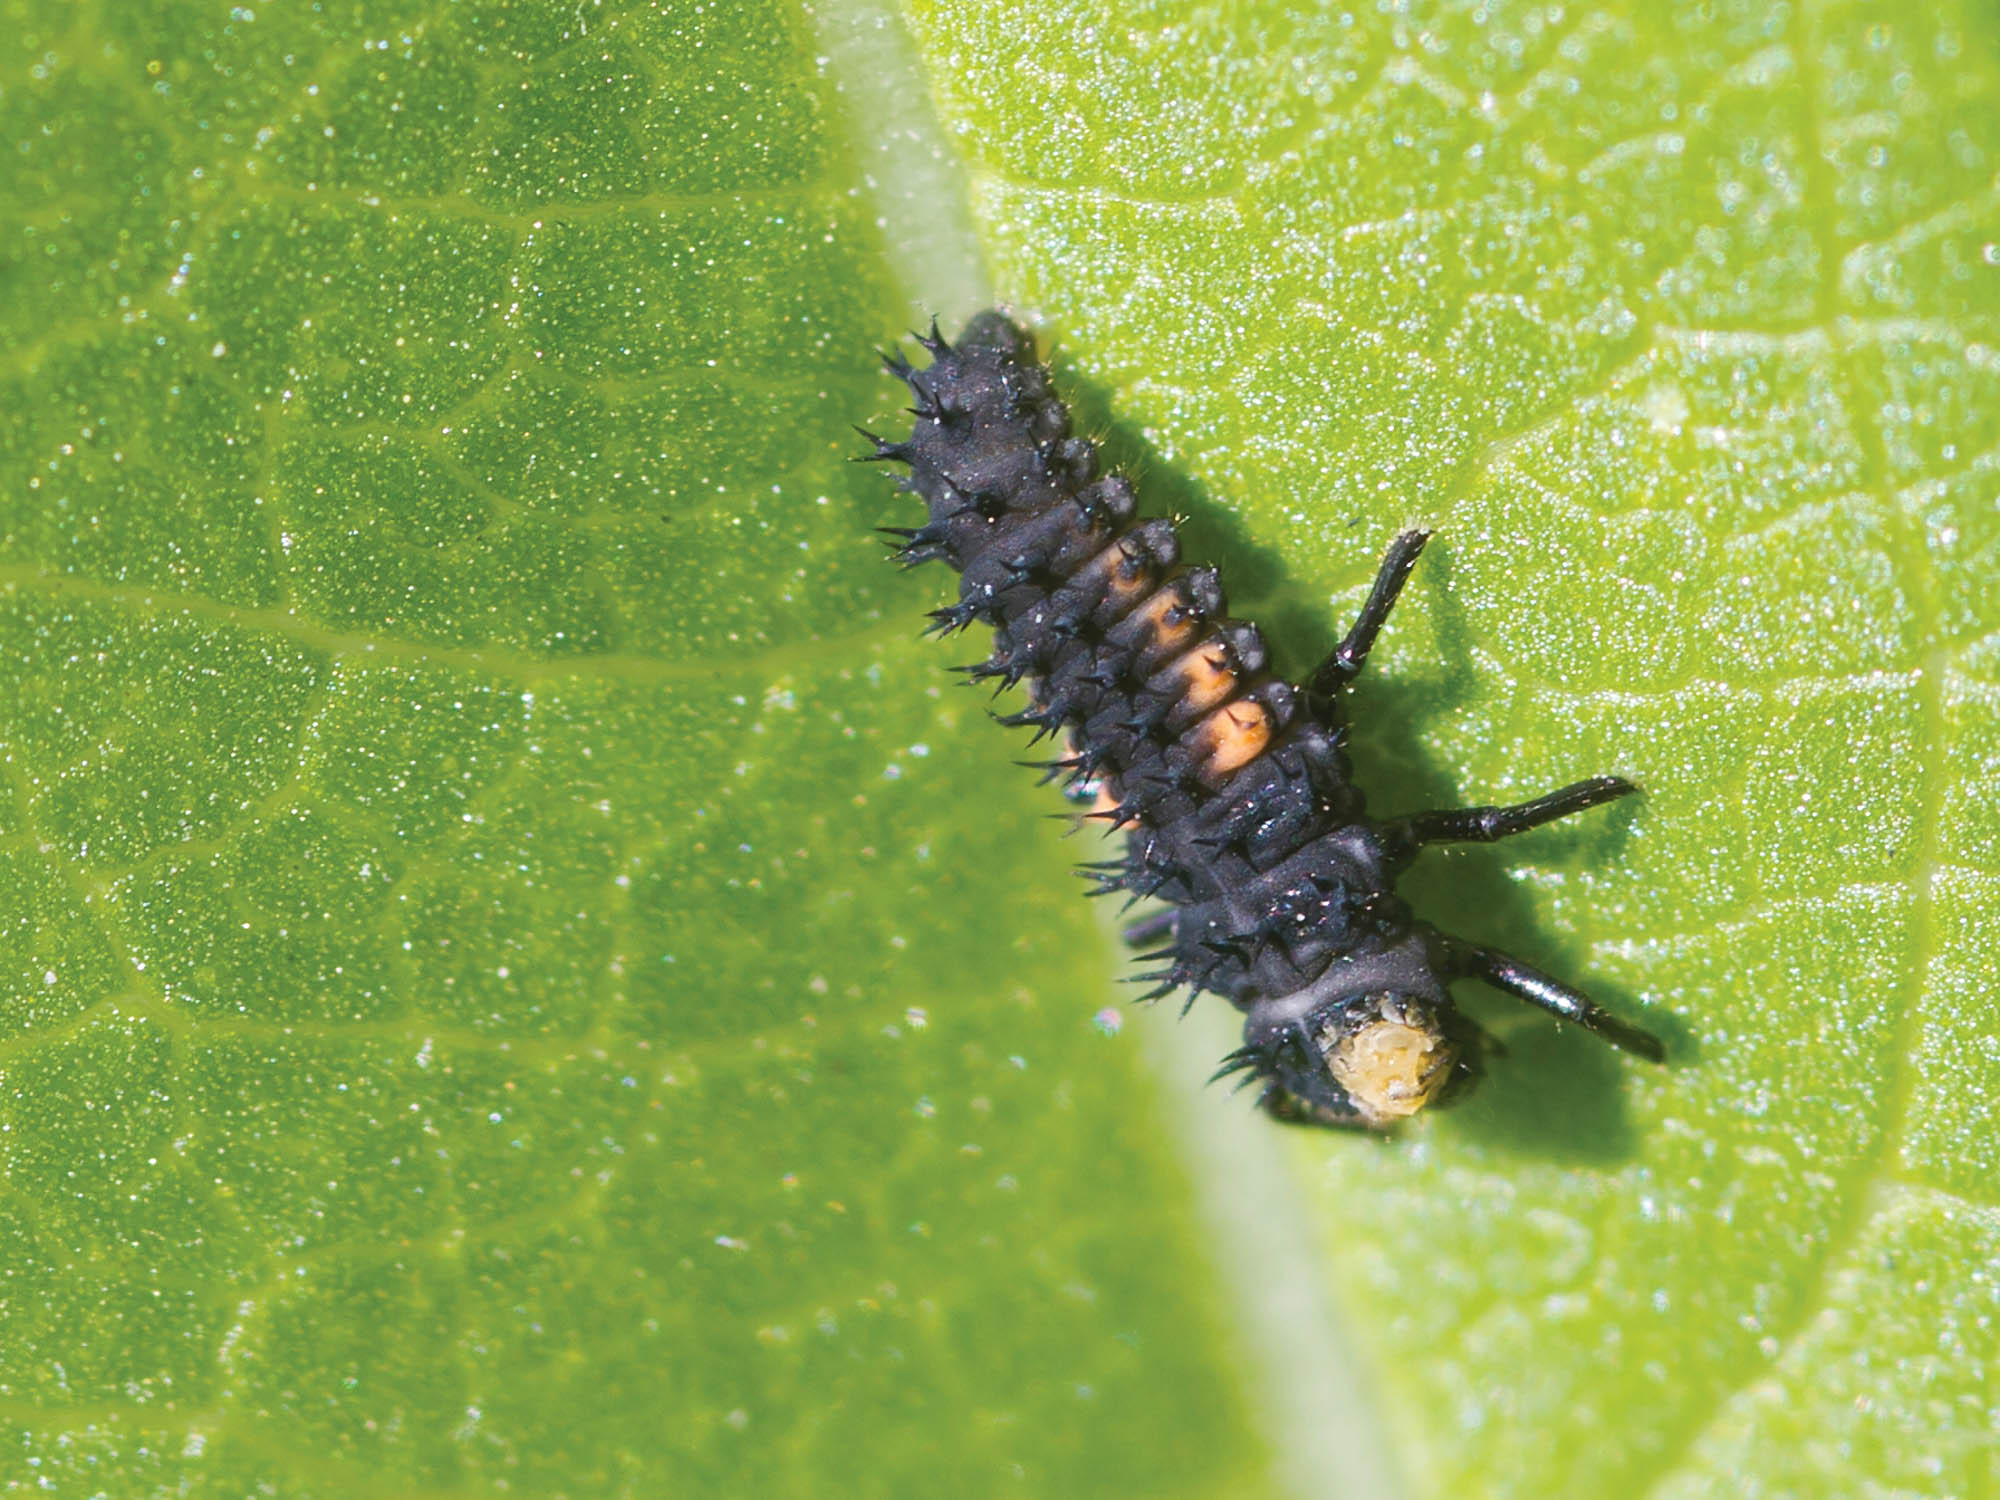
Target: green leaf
{"x":502,"y":991}
{"x":1679,"y":324}
{"x":522,"y":975}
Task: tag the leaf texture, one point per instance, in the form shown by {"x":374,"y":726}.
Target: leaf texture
{"x":523,"y":977}
{"x":1679,"y":325}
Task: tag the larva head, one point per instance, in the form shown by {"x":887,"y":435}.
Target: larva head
{"x":1388,"y":1053}
{"x":1354,"y":1048}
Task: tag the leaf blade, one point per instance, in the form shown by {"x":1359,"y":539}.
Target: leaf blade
{"x":1651,"y":315}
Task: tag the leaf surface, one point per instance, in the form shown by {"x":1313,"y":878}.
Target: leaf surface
{"x":523,"y":975}
{"x":515,"y":981}
{"x":1678,"y":324}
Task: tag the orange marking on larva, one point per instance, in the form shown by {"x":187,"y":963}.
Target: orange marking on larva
{"x":1167,"y":618}
{"x":1204,"y":676}
{"x":1234,"y":735}
{"x":1128,"y":584}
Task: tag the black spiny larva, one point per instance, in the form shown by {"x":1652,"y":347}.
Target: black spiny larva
{"x":1233,"y":785}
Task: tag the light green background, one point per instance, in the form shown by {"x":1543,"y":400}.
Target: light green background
{"x":522,"y":976}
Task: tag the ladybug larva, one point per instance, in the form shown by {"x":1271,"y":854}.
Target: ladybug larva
{"x":1233,"y":785}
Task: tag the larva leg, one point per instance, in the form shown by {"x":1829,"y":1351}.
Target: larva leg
{"x":1483,"y":825}
{"x":1344,"y":664}
{"x":1511,"y":976}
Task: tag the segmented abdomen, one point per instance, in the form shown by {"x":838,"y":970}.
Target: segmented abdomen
{"x":1222,"y":781}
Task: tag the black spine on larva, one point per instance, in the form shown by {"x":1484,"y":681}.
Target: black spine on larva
{"x":1239,"y":805}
